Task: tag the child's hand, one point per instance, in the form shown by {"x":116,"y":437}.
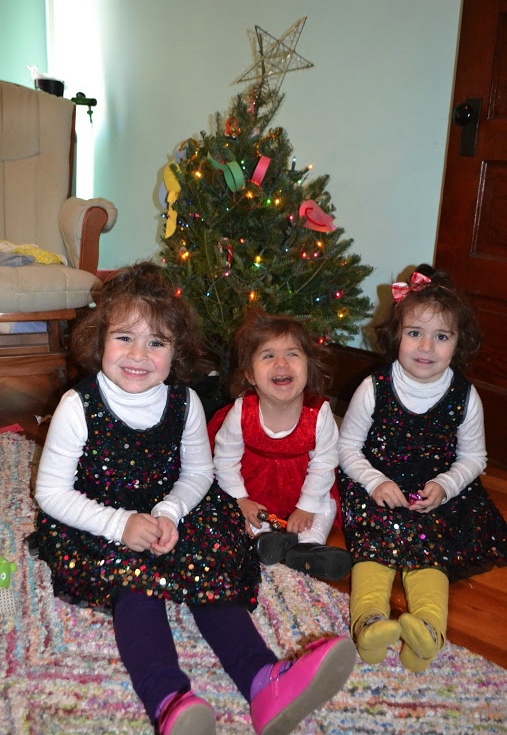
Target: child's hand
{"x":141,"y":531}
{"x":299,"y":520}
{"x":168,"y":536}
{"x":389,"y":494}
{"x":250,"y":508}
{"x":431,"y":495}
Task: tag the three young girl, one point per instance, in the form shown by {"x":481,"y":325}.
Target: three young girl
{"x":130,"y":517}
{"x":411,"y":450}
{"x":276,"y":447}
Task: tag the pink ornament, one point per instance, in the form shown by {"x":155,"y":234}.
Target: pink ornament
{"x":316,"y":218}
{"x":260,"y":170}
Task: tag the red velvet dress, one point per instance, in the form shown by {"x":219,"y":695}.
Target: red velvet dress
{"x":274,"y":470}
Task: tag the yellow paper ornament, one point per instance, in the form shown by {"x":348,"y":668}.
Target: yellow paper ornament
{"x":173,"y":189}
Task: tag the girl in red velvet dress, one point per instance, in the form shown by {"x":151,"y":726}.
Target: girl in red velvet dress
{"x":276,"y":447}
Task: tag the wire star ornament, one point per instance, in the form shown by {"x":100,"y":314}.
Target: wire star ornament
{"x":275,"y":57}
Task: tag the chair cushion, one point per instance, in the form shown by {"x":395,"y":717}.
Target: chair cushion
{"x":38,"y":287}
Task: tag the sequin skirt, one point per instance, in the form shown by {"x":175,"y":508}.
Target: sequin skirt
{"x":212,"y":562}
{"x":465,"y":536}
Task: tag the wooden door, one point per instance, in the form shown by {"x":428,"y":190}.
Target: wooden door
{"x":472,"y":236}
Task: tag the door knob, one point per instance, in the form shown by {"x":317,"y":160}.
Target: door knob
{"x":467,"y":115}
{"x":462,"y":114}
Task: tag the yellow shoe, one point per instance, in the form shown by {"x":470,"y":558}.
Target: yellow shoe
{"x":423,"y":627}
{"x":371,"y":628}
{"x":421,"y":643}
{"x":375,"y":636}
{"x":412,"y":661}
{"x":420,"y":636}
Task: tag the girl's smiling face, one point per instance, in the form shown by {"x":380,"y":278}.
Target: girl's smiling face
{"x":279,"y":370}
{"x":428,"y":342}
{"x":135,"y":358}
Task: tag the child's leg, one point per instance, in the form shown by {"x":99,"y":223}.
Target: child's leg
{"x":424,"y":627}
{"x":146,"y":647}
{"x":307,"y":551}
{"x":370,"y":608}
{"x":321,"y":527}
{"x":311,"y":555}
{"x":231,"y":633}
{"x":281,"y":693}
{"x":272,"y":546}
{"x":317,"y":534}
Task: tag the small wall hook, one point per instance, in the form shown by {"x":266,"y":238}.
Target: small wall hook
{"x":82,"y":99}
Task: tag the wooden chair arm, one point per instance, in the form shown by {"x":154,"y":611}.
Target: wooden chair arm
{"x":93,"y":224}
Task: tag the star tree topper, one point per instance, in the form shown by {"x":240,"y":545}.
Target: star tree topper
{"x":275,"y":57}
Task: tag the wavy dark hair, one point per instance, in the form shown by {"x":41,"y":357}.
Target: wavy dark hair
{"x":256,"y":329}
{"x":441,"y":295}
{"x":133,"y":292}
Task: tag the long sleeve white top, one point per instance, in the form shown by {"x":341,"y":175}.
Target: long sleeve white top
{"x":315,"y":494}
{"x":67,"y":436}
{"x":417,"y":398}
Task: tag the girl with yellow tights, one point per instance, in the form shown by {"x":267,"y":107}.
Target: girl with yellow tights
{"x":411,"y":451}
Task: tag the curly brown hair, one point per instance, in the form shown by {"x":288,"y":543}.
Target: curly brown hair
{"x":140,"y":291}
{"x":441,"y":295}
{"x":256,"y":329}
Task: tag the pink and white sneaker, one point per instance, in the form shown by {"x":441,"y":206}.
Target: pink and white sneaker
{"x":186,"y":714}
{"x":307,"y":684}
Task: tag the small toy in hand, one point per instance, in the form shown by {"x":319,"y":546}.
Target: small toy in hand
{"x":414,"y":498}
{"x":275,"y":523}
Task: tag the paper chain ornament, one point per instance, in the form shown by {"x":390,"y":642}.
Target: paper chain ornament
{"x":173,"y":189}
{"x":232,"y":173}
{"x":260,"y":170}
{"x":315,"y":218}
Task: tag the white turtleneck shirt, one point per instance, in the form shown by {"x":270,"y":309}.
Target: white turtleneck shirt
{"x":67,"y":436}
{"x":417,"y":398}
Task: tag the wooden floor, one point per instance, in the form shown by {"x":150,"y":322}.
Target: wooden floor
{"x":477,"y":605}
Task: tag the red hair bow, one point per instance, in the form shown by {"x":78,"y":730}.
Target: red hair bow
{"x":417,"y":282}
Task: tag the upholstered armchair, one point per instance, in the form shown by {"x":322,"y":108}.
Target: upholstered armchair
{"x":49,"y":240}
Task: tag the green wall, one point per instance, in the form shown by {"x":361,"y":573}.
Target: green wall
{"x":22,"y":39}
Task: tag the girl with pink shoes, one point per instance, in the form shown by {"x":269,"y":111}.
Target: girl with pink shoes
{"x":130,"y":518}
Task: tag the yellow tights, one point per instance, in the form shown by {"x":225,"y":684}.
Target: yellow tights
{"x":424,"y":626}
{"x":370,"y":626}
{"x":422,"y":629}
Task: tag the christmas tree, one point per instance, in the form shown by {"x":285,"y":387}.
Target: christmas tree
{"x":246,"y":226}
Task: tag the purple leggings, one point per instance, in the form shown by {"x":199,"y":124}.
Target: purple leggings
{"x":147,"y":649}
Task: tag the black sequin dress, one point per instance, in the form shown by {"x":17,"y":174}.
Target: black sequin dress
{"x":464,"y":536}
{"x":134,"y":469}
